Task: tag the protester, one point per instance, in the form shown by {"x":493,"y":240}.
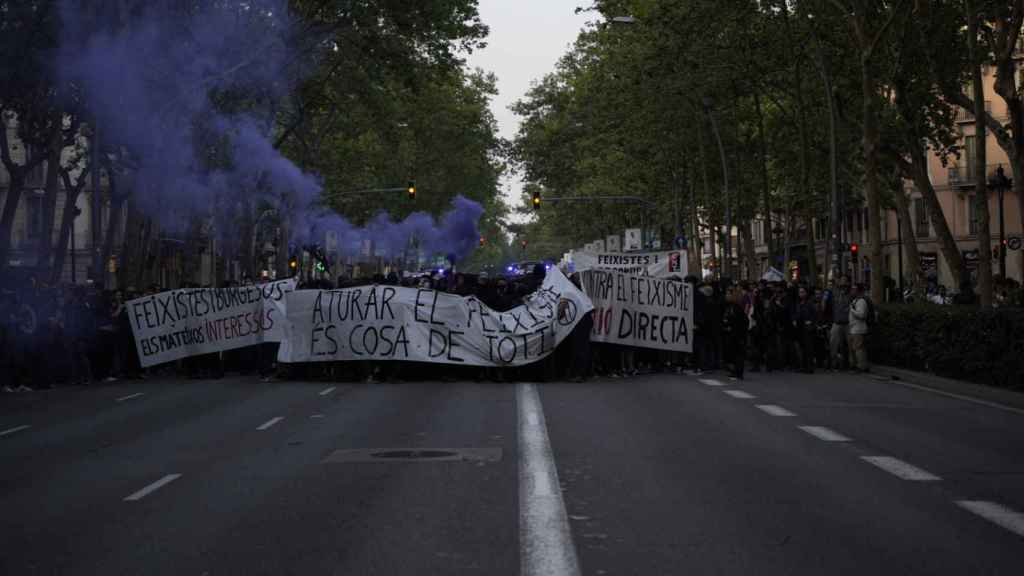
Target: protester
{"x":839,"y":335}
{"x":860,"y":308}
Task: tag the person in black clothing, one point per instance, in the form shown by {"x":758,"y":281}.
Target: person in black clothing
{"x":734,"y":333}
{"x":805,"y":324}
{"x":780,"y":321}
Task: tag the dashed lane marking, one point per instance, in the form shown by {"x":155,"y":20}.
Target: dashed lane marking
{"x":328,"y":391}
{"x":152,"y":487}
{"x":15,"y":429}
{"x":130,"y":396}
{"x":901,"y":469}
{"x":775,"y":410}
{"x":545,"y":539}
{"x":740,"y":394}
{"x":270,"y":423}
{"x":710,"y":382}
{"x":822,"y":433}
{"x":997,"y":514}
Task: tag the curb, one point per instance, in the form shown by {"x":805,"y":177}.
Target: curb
{"x":1010,"y":400}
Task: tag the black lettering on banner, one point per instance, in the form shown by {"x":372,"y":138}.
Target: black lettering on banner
{"x":684,"y":332}
{"x":371,"y":303}
{"x":442,"y":343}
{"x":318,"y":312}
{"x":433,"y":308}
{"x":567,"y":315}
{"x":490,"y":346}
{"x":351,"y":342}
{"x":526,"y":346}
{"x":502,"y":343}
{"x":371,"y":350}
{"x":385,"y":303}
{"x":403,"y":340}
{"x":641,"y":329}
{"x":519,"y":323}
{"x":625,"y":324}
{"x":417,"y":305}
{"x":544,"y":343}
{"x":386,"y":338}
{"x":356,"y":306}
{"x":452,"y":346}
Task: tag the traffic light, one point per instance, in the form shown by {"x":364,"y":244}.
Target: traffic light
{"x":854,"y":249}
{"x":320,"y":266}
{"x":293,"y":263}
{"x":412,"y":189}
{"x":536,"y":205}
{"x":523,"y":243}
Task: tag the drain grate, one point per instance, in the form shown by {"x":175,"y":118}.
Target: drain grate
{"x":413,"y":455}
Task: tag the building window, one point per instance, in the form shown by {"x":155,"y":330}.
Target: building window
{"x":969,"y":156}
{"x":972,"y":216}
{"x":920,"y":219}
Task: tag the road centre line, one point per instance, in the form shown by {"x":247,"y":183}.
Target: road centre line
{"x":996,"y":513}
{"x":270,"y":422}
{"x":710,"y":382}
{"x":328,"y":391}
{"x":152,"y":487}
{"x":15,"y":429}
{"x":822,"y":433}
{"x":775,"y":410}
{"x":740,"y":394}
{"x":901,"y":469}
{"x":130,"y":396}
{"x":545,"y":538}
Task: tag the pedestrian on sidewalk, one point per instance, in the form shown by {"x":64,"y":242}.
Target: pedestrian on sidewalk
{"x":839,"y":335}
{"x":860,"y":309}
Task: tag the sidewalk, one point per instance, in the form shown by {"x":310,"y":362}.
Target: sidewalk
{"x":977,"y":393}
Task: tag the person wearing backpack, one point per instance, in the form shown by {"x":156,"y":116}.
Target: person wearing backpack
{"x":861,"y":318}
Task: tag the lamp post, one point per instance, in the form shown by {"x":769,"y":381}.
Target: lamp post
{"x":1000,"y":183}
{"x":708,"y":109}
{"x":899,"y":249}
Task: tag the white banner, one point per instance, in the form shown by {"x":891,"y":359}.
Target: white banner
{"x":181,"y":323}
{"x":657,"y":264}
{"x":395,"y":323}
{"x":640,"y":310}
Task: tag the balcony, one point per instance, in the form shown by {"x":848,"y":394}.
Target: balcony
{"x":964,"y":175}
{"x":963,"y":116}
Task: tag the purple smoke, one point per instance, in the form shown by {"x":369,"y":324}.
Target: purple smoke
{"x":157,"y":80}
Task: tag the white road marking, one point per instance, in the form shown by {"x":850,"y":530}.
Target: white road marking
{"x":740,"y":394}
{"x":15,"y":429}
{"x":822,"y":433}
{"x":710,"y":382}
{"x":328,"y":391}
{"x":775,"y":410}
{"x":270,"y":422}
{"x":152,"y":487}
{"x":901,"y":469}
{"x":130,"y":396}
{"x":546,"y":546}
{"x":996,"y":513}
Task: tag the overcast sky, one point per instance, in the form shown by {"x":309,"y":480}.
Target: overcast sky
{"x":527,"y":39}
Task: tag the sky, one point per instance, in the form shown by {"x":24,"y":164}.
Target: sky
{"x":527,"y":38}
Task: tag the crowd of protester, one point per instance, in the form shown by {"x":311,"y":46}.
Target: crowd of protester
{"x":74,"y":334}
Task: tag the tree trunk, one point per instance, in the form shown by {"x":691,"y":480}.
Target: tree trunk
{"x":980,"y":188}
{"x":812,"y":253}
{"x":66,"y":230}
{"x":947,"y":244}
{"x":44,"y":248}
{"x":766,"y":205}
{"x":912,"y":263}
{"x":870,"y":145}
{"x":14,"y":190}
{"x":748,"y":250}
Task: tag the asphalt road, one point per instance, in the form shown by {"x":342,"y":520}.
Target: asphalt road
{"x":659,"y":474}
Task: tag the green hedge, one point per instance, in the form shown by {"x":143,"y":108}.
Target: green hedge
{"x":961,"y":342}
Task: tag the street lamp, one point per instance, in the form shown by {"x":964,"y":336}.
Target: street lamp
{"x":1000,"y":183}
{"x":708,"y":104}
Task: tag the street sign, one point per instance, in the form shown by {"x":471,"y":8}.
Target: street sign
{"x":1013,"y":243}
